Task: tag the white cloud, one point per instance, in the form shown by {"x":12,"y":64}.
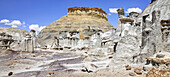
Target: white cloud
{"x":14,"y":26}
{"x":14,"y":23}
{"x":4,"y":21}
{"x":109,"y":14}
{"x":23,"y":23}
{"x":17,"y":23}
{"x":41,"y":27}
{"x":133,"y":10}
{"x":113,"y":10}
{"x":36,"y":27}
{"x":24,"y":26}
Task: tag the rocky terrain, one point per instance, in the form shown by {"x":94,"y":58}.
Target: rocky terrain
{"x":14,"y":32}
{"x":74,"y":21}
{"x":83,"y":43}
{"x":48,"y":63}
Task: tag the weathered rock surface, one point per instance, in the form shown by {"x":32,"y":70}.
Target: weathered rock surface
{"x":154,"y":38}
{"x":157,"y":73}
{"x":18,"y":34}
{"x":73,"y":21}
{"x":16,"y":39}
{"x":139,"y":36}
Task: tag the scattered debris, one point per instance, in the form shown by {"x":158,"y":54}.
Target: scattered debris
{"x":157,"y":73}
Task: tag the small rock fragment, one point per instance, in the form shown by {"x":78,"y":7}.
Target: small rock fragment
{"x":33,"y":55}
{"x":18,"y":56}
{"x":11,"y":66}
{"x":8,"y":64}
{"x":128,"y":67}
{"x":51,"y":72}
{"x":89,"y":68}
{"x":27,"y":68}
{"x":138,"y":71}
{"x":132,"y":74}
{"x":147,"y":67}
{"x":160,"y":56}
{"x":9,"y":58}
{"x":110,"y":57}
{"x":10,"y":73}
{"x":15,"y":61}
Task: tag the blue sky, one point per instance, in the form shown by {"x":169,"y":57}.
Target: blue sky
{"x":26,"y":14}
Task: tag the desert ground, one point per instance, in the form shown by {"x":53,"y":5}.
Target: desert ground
{"x":52,"y":63}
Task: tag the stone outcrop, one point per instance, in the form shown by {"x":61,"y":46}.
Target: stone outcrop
{"x":153,"y":35}
{"x":137,"y":36}
{"x":142,"y":35}
{"x":141,"y":41}
{"x":18,"y":34}
{"x":16,"y":39}
{"x":78,"y":18}
{"x":5,"y":40}
{"x":128,"y":38}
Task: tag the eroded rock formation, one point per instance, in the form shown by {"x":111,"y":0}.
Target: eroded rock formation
{"x":82,"y":18}
{"x":5,"y":40}
{"x":140,"y":38}
{"x":16,"y":39}
{"x":142,"y":35}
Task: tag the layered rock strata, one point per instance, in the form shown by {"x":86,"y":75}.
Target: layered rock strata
{"x":83,"y":19}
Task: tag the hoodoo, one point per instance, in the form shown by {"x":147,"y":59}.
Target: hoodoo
{"x":80,"y":19}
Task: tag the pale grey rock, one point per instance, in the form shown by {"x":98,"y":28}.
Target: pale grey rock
{"x":90,"y":68}
{"x":139,"y":36}
{"x":5,"y":41}
{"x":16,"y":39}
{"x":127,"y":39}
{"x":147,"y":67}
{"x":152,"y":35}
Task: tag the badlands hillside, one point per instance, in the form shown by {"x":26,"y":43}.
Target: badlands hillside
{"x":84,"y":44}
